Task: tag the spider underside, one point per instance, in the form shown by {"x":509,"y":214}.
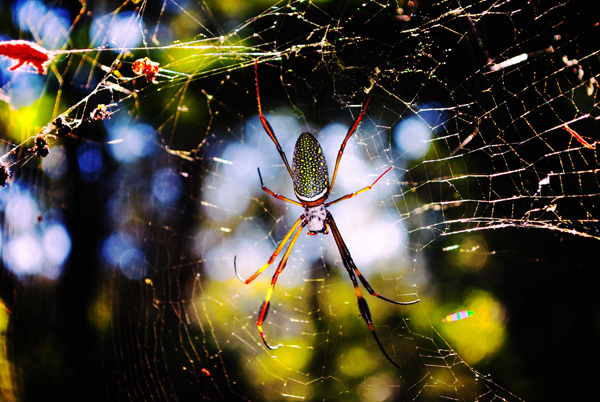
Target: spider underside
{"x":314,"y":219}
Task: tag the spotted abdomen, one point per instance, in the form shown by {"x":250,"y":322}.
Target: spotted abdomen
{"x":311,"y":178}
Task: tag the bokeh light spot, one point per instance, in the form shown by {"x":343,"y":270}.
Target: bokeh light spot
{"x":24,"y":254}
{"x":412,"y":136}
{"x":21,"y":212}
{"x":55,"y":164}
{"x":133,"y":263}
{"x":28,"y":14}
{"x":482,"y":334}
{"x":473,"y":253}
{"x":55,"y":28}
{"x":25,"y":89}
{"x":166,"y":186}
{"x":57,"y":244}
{"x":352,"y":365}
{"x":117,"y":31}
{"x":135,"y":140}
{"x":90,"y":160}
{"x":114,"y":247}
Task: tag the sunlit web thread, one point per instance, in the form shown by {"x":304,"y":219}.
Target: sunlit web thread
{"x":27,"y":52}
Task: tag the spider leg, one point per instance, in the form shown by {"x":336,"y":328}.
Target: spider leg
{"x":343,"y":146}
{"x":359,"y":191}
{"x":267,"y":125}
{"x":273,"y":256}
{"x":279,"y":197}
{"x":264,"y":308}
{"x":363,"y":307}
{"x":349,"y":263}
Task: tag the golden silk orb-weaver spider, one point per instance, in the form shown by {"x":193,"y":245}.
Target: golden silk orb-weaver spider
{"x":311,"y":185}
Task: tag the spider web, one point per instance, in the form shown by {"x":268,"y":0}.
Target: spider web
{"x":118,"y":247}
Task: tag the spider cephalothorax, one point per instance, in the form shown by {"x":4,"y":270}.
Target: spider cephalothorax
{"x":312,"y":187}
{"x":315,"y":219}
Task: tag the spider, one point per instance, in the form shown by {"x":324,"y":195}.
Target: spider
{"x":311,"y":185}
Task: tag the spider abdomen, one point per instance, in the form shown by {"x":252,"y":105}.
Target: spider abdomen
{"x":310,"y":175}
